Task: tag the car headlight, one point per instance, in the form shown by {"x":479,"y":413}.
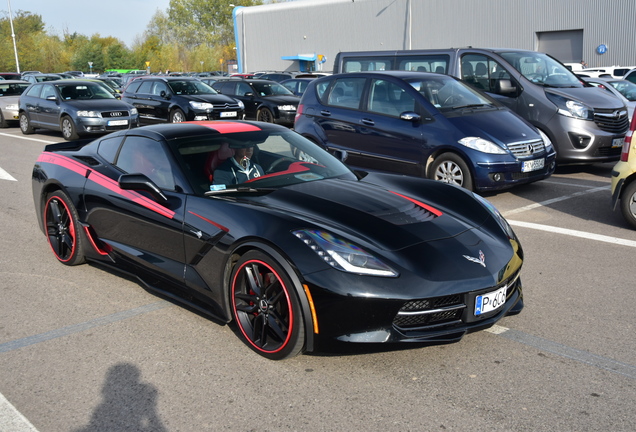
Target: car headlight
{"x":571,"y":108}
{"x":343,"y":255}
{"x":546,"y":141}
{"x":287,"y":107}
{"x":201,"y":105}
{"x":503,"y":223}
{"x":133,"y":111}
{"x":482,"y":145}
{"x":85,"y":113}
{"x":240,"y":103}
{"x":11,"y":107}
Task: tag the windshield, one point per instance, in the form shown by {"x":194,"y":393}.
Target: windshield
{"x":84,"y":91}
{"x":447,"y":93}
{"x":542,"y":69}
{"x":191,"y":88}
{"x":257,"y":159}
{"x":626,"y":88}
{"x":271,"y":89}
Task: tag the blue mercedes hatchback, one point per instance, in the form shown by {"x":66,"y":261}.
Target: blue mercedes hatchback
{"x":426,"y":125}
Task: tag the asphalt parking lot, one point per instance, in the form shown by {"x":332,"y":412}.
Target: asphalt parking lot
{"x":83,"y":349}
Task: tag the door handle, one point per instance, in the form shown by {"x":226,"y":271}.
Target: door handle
{"x":325,"y":113}
{"x":367,"y":122}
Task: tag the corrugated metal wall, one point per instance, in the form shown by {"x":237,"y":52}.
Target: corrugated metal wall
{"x":267,"y":33}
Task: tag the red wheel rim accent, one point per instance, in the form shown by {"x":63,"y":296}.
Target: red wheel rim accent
{"x":264,"y":315}
{"x":60,"y":228}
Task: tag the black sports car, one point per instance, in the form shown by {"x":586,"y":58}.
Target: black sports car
{"x":303,"y":250}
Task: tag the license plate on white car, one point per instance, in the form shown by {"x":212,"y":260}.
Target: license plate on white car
{"x":228,"y":114}
{"x":490,"y":301}
{"x":532,"y":165}
{"x":618,"y":142}
{"x":117,"y":122}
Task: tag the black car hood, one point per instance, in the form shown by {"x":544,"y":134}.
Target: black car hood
{"x":217,"y":98}
{"x":590,"y":96}
{"x":388,"y":220}
{"x":291,"y":100}
{"x":99,"y":104}
{"x":501,"y":126}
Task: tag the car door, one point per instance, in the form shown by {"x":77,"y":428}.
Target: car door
{"x":143,"y":100}
{"x":49,"y":107}
{"x":139,"y":230}
{"x":29,"y":102}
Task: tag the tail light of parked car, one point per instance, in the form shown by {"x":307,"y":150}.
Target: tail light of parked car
{"x":628,"y":140}
{"x":299,"y":112}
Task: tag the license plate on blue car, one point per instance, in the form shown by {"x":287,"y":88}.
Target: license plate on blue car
{"x":532,"y":165}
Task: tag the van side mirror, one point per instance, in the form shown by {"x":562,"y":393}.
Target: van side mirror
{"x":504,"y":87}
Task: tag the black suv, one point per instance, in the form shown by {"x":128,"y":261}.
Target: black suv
{"x":264,"y":100}
{"x":178,"y":99}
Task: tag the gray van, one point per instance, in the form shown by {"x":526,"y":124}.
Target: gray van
{"x":585,"y":124}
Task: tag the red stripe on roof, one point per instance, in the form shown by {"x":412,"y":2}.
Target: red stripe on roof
{"x":228,"y":126}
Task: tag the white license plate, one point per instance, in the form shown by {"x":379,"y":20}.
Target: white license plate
{"x":532,"y":165}
{"x":490,"y":301}
{"x":618,"y":142}
{"x":228,"y":114}
{"x":117,"y":122}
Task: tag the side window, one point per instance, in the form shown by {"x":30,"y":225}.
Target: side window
{"x":47,"y":91}
{"x":243,"y":88}
{"x":359,"y":64}
{"x":483,"y":72}
{"x":34,"y":91}
{"x":158,"y":87}
{"x":108,"y":148}
{"x":145,"y":87}
{"x":146,"y":156}
{"x":389,"y":99}
{"x":346,"y":92}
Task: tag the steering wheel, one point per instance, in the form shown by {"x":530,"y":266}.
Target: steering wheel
{"x":278,"y":162}
{"x":453,"y":99}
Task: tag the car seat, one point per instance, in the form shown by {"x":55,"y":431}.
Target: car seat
{"x":216,"y":158}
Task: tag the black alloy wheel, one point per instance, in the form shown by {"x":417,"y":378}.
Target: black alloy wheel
{"x":62,"y":228}
{"x":265,"y":307}
{"x":265,"y":115}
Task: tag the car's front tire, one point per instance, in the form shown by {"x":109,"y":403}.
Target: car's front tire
{"x":3,"y":122}
{"x":177,"y":116}
{"x":265,"y":115}
{"x":62,"y":228}
{"x":265,"y":307}
{"x":451,"y":168}
{"x":69,"y":131}
{"x":628,"y":204}
{"x":25,"y":124}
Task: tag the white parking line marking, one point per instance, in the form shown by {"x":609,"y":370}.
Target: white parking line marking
{"x":554,"y":200}
{"x":565,"y":351}
{"x":557,"y":183}
{"x":5,"y":175}
{"x":11,"y":419}
{"x":574,"y":233}
{"x":28,"y":138}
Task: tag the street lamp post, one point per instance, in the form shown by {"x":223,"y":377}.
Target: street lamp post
{"x":15,"y":48}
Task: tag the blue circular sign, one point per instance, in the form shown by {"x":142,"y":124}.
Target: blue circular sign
{"x":601,"y":49}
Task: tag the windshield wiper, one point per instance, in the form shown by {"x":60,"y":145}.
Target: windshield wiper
{"x":238,"y":189}
{"x":470,"y":106}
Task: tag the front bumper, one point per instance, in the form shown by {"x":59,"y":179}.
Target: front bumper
{"x":90,"y":125}
{"x":502,"y":175}
{"x":285,"y":118}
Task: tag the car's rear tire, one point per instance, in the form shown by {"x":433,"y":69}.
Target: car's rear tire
{"x":265,"y":307}
{"x":69,"y":131}
{"x":62,"y":228}
{"x":628,"y":204}
{"x":451,"y":168}
{"x":265,"y":115}
{"x":177,"y":116}
{"x":25,"y":124}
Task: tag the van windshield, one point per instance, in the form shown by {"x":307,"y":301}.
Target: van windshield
{"x":541,"y":69}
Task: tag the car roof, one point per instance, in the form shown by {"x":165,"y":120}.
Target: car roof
{"x":14,"y":82}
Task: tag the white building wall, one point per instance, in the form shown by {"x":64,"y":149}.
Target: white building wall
{"x":266,"y":33}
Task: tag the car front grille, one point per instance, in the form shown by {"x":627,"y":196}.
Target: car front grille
{"x":612,"y":121}
{"x":446,"y":311}
{"x":226,"y":106}
{"x":526,"y":148}
{"x":115,"y":114}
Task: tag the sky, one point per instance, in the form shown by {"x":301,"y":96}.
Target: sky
{"x":123,"y":19}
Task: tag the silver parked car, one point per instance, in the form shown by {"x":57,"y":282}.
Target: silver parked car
{"x":10,"y":91}
{"x":75,"y":107}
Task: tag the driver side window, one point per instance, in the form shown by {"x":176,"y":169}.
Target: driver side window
{"x":483,"y":72}
{"x":146,"y":156}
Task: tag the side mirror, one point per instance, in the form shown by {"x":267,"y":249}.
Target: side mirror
{"x":504,"y":87}
{"x":140,"y":182}
{"x":51,"y":98}
{"x":411,"y":116}
{"x":164,"y":94}
{"x":341,"y":155}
